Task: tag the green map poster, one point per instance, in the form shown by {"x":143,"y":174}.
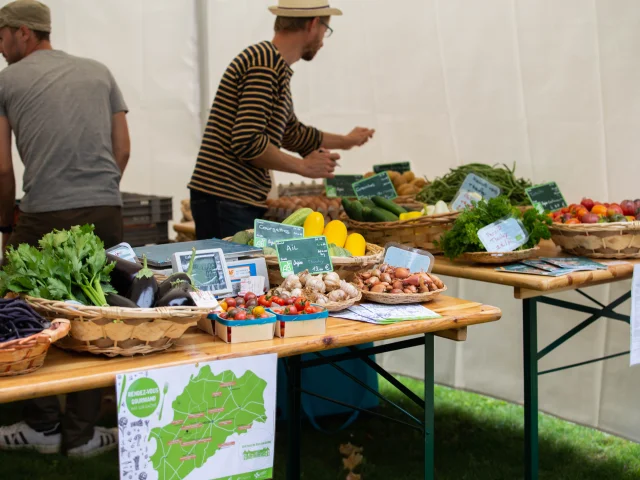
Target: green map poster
{"x":207,"y":421}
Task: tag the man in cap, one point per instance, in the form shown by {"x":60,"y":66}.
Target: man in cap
{"x":252,"y":118}
{"x":68,"y":116}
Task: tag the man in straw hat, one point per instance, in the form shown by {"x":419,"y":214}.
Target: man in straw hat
{"x":68,"y":116}
{"x":253,"y":117}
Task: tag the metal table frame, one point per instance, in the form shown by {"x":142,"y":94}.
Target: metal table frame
{"x":426,"y":425}
{"x":532,"y":356}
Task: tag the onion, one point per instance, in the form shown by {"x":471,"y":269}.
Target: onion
{"x":397,"y":290}
{"x":402,"y":273}
{"x":413,"y":280}
{"x":398,"y":285}
{"x":365,"y":275}
{"x":386,"y":278}
{"x":378,"y":288}
{"x":376,"y":273}
{"x":406,"y":290}
{"x":372,"y":281}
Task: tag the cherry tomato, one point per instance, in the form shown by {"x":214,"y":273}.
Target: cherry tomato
{"x":278,"y":301}
{"x":265,"y":301}
{"x":231,"y":302}
{"x":251,"y":303}
{"x":290,"y":301}
{"x":264,"y":315}
{"x":224,"y":306}
{"x":231,"y":313}
{"x":251,"y":317}
{"x":292,"y":310}
{"x":222,"y":315}
{"x":239,"y":301}
{"x":258,"y":310}
{"x":301,"y":303}
{"x":241,"y":316}
{"x":249,"y":296}
{"x":310,"y":309}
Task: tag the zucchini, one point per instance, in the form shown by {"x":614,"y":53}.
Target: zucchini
{"x":366,"y":214}
{"x":298,"y":217}
{"x":353,"y":209}
{"x":389,"y":206}
{"x":367,"y":202}
{"x":382,"y":215}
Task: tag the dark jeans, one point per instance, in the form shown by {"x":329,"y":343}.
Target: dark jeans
{"x":220,"y":218}
{"x":82,"y":408}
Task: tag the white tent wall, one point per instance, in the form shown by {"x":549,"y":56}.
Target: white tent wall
{"x":548,"y":84}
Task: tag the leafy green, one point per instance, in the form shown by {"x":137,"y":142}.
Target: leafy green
{"x":69,"y":265}
{"x":463,"y":237}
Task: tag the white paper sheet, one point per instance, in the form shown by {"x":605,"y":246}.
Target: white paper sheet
{"x":386,"y":314}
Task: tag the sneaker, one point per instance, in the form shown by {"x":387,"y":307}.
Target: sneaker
{"x":21,"y":436}
{"x":104,"y":440}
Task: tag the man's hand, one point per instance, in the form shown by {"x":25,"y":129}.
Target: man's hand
{"x":319,"y":164}
{"x":358,"y":137}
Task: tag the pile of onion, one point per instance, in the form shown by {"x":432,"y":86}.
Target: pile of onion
{"x":388,"y":279}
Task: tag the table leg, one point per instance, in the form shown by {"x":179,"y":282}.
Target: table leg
{"x":429,"y":423}
{"x":530,"y":340}
{"x":294,"y":418}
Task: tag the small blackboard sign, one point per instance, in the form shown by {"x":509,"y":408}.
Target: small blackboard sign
{"x":298,"y":255}
{"x":266,"y":234}
{"x":341,"y":186}
{"x":546,"y":197}
{"x":379,"y":185}
{"x":393,"y":167}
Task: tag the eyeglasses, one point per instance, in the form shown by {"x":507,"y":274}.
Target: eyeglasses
{"x":329,"y":30}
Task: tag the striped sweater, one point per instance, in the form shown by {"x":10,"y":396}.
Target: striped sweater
{"x":253,"y":107}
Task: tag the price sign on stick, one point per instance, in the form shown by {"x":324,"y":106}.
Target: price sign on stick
{"x":474,"y":183}
{"x":341,"y":186}
{"x":393,"y":167}
{"x":378,"y":185}
{"x":298,"y":255}
{"x":546,"y":197}
{"x":268,"y":233}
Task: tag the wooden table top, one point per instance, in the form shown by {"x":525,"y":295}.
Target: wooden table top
{"x":528,"y":286}
{"x":65,"y":372}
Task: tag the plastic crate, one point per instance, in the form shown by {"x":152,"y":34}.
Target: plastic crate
{"x":146,"y":209}
{"x":141,"y":235}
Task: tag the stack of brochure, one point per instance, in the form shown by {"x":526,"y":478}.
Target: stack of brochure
{"x":386,"y":314}
{"x":553,"y":267}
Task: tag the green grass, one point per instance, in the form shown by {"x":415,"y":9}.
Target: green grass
{"x":477,"y":438}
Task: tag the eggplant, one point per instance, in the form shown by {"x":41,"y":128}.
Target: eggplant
{"x":123,"y":274}
{"x":144,"y":288}
{"x":177,"y":278}
{"x":114,"y":300}
{"x":178,"y":296}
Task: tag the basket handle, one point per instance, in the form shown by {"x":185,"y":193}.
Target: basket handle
{"x":59,"y":329}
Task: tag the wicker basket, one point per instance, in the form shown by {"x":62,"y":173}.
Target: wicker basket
{"x":402,"y":298}
{"x":599,"y":240}
{"x":339,"y":306}
{"x":420,"y":232}
{"x":501,"y":258}
{"x":26,"y":355}
{"x":114,"y":331}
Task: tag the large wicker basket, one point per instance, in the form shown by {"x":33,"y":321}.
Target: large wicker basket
{"x":114,"y":331}
{"x":26,"y":355}
{"x":421,"y":232}
{"x":599,"y":240}
{"x":402,"y":298}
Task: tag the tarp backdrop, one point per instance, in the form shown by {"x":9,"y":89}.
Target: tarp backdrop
{"x":548,"y":84}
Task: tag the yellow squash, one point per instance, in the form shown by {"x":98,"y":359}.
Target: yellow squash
{"x":410,"y":215}
{"x":336,"y":232}
{"x":356,"y":244}
{"x":314,"y":225}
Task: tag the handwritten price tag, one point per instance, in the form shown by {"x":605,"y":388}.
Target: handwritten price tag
{"x":474,"y":183}
{"x":503,"y":236}
{"x":464,"y":200}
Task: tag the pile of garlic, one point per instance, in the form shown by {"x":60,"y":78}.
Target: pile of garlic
{"x":320,"y":289}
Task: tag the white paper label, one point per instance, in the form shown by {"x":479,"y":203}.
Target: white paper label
{"x":464,"y":200}
{"x":474,"y":183}
{"x":635,"y":316}
{"x":252,"y":284}
{"x":204,"y":299}
{"x":503,"y":236}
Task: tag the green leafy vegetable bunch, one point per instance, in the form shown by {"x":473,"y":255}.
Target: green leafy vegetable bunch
{"x":69,"y":265}
{"x":463,"y":237}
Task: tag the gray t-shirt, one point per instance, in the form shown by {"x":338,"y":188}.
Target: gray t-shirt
{"x":60,"y":108}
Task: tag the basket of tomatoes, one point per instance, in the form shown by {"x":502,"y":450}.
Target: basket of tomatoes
{"x":598,"y":230}
{"x":240,"y":325}
{"x":300,"y":319}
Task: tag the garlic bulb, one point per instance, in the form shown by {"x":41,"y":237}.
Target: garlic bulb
{"x":291,"y":283}
{"x":296,"y":292}
{"x":315,"y":284}
{"x":321,"y":300}
{"x":349,"y":289}
{"x":338,"y":296}
{"x":304,"y":276}
{"x":332,"y":281}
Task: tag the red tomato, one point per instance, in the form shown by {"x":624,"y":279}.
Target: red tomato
{"x":290,"y":301}
{"x":239,"y":301}
{"x":231,"y":302}
{"x":251,"y":317}
{"x":241,"y":316}
{"x":265,"y":301}
{"x":310,"y":309}
{"x":249,"y":296}
{"x":264,"y":315}
{"x":231,"y":313}
{"x":222,"y":315}
{"x":301,"y":303}
{"x":292,"y":310}
{"x":279,"y":301}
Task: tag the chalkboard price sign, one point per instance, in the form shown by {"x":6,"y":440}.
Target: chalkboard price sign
{"x":378,"y":185}
{"x":298,"y":255}
{"x":546,"y":197}
{"x":341,"y":185}
{"x":268,"y":233}
{"x":393,"y":167}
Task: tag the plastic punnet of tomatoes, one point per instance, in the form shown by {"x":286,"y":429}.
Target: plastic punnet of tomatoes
{"x":301,"y":319}
{"x":240,"y":324}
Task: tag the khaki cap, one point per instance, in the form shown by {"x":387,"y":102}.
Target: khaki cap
{"x":30,"y":13}
{"x":304,"y":8}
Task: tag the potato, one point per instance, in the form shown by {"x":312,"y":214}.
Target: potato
{"x":393,"y":175}
{"x":419,"y":182}
{"x":369,"y":174}
{"x":407,"y":189}
{"x":408,"y":176}
{"x":398,"y":182}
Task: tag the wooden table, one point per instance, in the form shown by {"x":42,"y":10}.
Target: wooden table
{"x":66,"y":372}
{"x":533,"y":289}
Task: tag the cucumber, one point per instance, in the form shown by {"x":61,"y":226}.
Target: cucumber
{"x":389,"y":205}
{"x":367,"y":202}
{"x":298,"y":217}
{"x":353,"y":209}
{"x":382,"y":215}
{"x":366,"y":214}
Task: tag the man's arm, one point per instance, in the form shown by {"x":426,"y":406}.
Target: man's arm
{"x":120,"y":141}
{"x":7,"y":179}
{"x":358,"y":137}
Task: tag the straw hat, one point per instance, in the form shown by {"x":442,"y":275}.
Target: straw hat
{"x":304,"y":8}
